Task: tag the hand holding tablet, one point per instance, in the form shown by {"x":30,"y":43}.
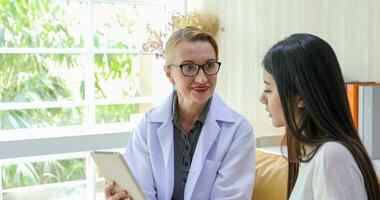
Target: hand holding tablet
{"x":114,"y":168}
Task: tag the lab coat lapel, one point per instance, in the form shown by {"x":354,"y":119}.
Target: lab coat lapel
{"x":218,"y":112}
{"x":166,"y":140}
{"x":163,"y":116}
{"x":208,"y":135}
{"x":166,"y":143}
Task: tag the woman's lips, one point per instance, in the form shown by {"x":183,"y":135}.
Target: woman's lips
{"x":200,"y":88}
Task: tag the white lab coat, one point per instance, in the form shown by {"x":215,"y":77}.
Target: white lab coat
{"x":223,"y":165}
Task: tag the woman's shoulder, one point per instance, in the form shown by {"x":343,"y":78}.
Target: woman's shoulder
{"x":334,"y":153}
{"x":334,"y":146}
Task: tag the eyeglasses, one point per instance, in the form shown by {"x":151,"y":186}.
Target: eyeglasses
{"x":191,"y":69}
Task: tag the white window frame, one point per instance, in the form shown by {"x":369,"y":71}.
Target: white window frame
{"x":14,"y":138}
{"x":71,"y":141}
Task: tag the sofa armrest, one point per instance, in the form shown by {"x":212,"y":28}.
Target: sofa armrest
{"x":271,"y":176}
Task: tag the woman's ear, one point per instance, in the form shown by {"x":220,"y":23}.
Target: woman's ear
{"x":299,"y":102}
{"x":169,"y":74}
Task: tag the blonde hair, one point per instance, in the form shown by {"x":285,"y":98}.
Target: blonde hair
{"x":189,"y":34}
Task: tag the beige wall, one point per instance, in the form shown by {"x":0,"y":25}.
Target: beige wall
{"x":250,"y":27}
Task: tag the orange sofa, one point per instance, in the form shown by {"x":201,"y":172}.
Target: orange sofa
{"x":271,"y":176}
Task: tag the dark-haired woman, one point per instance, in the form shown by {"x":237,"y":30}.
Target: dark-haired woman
{"x":304,"y":92}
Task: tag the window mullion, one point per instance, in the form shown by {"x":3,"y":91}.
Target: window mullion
{"x":90,"y":178}
{"x":72,"y":104}
{"x":41,"y":105}
{"x":90,"y":118}
{"x":70,"y":51}
{"x":41,"y":51}
{"x":90,"y":95}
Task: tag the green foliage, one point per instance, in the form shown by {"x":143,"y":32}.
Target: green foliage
{"x":34,"y":23}
{"x":27,"y":78}
{"x":113,"y":67}
{"x":115,"y":113}
{"x":27,"y":174}
{"x":39,"y":78}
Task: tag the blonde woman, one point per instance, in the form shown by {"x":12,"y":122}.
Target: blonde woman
{"x":193,"y":146}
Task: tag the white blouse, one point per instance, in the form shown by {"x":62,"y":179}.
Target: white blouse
{"x":331,"y":174}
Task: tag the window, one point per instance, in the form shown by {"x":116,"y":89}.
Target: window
{"x":73,"y":78}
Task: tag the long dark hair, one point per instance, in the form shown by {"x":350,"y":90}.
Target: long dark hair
{"x":306,"y":65}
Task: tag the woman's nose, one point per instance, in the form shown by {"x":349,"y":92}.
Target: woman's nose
{"x":201,"y":76}
{"x":262,"y":99}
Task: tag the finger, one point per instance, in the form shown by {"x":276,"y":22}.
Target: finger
{"x":121,"y":195}
{"x":128,"y":198}
{"x":108,"y":189}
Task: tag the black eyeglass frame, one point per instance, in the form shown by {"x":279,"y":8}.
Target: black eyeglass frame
{"x":199,"y":68}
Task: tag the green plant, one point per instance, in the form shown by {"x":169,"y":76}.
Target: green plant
{"x":38,"y":78}
{"x":26,"y":174}
{"x":28,"y":78}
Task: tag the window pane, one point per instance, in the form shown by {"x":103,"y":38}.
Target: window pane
{"x":42,"y":23}
{"x":37,"y":173}
{"x":120,"y":112}
{"x":34,"y":77}
{"x":117,"y":76}
{"x":53,"y":179}
{"x":39,"y":118}
{"x":75,"y":190}
{"x":123,"y":25}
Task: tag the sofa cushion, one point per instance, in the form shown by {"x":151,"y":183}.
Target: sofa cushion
{"x":271,"y":176}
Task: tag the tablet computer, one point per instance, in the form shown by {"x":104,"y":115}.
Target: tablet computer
{"x":114,"y":168}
